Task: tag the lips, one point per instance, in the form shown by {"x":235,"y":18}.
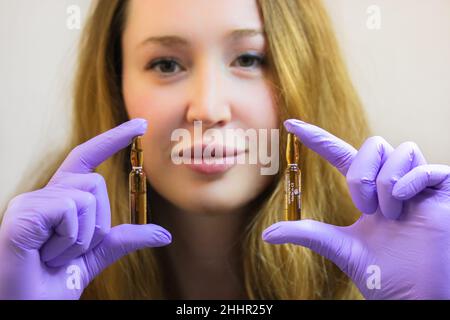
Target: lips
{"x":218,"y":164}
{"x":198,"y":151}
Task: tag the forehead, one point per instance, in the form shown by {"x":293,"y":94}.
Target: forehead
{"x":190,"y":18}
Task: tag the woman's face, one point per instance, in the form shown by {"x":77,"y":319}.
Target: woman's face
{"x":201,"y":72}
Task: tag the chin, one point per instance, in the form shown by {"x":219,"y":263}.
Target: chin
{"x":209,"y":204}
{"x":211,"y":195}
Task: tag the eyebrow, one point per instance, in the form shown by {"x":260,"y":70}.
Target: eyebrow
{"x":173,"y":41}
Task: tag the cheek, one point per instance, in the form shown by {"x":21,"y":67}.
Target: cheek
{"x":145,"y":101}
{"x":162,"y":108}
{"x":159,"y":108}
{"x":258,"y":108}
{"x":161,"y":119}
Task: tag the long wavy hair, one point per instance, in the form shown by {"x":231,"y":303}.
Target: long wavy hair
{"x":311,"y":83}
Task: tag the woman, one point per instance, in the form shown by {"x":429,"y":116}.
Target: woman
{"x":206,"y":238}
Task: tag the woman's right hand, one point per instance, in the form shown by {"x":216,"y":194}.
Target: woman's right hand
{"x":55,"y":240}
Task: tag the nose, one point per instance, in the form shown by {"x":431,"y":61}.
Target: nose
{"x":208,"y":103}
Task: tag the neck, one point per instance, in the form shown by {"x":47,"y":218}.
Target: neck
{"x":203,"y":261}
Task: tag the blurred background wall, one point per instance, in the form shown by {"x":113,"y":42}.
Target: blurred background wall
{"x":398,"y":53}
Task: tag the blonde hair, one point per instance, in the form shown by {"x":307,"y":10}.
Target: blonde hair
{"x":311,"y":83}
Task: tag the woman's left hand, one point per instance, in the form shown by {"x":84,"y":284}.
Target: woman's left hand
{"x":400,"y":247}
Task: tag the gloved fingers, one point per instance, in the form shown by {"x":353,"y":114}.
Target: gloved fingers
{"x":404,"y":158}
{"x":363,"y":172}
{"x":39,"y":215}
{"x":415,"y":181}
{"x":58,"y":250}
{"x":122,"y":240}
{"x":331,"y":242}
{"x":336,"y":151}
{"x":87,"y":156}
{"x":95,"y":184}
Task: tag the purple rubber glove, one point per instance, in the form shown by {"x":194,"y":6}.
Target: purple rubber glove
{"x":55,"y":240}
{"x":400,"y":247}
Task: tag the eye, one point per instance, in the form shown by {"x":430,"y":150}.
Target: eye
{"x":166,"y":65}
{"x":249,"y":59}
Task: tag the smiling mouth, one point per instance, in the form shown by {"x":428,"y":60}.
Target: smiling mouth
{"x":219,"y":160}
{"x":210,"y":168}
{"x":215,"y":152}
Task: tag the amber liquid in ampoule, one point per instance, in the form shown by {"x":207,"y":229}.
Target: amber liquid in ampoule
{"x":137,"y":185}
{"x":293,"y":201}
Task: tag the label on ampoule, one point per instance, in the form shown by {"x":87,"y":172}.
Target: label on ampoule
{"x":292,"y":194}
